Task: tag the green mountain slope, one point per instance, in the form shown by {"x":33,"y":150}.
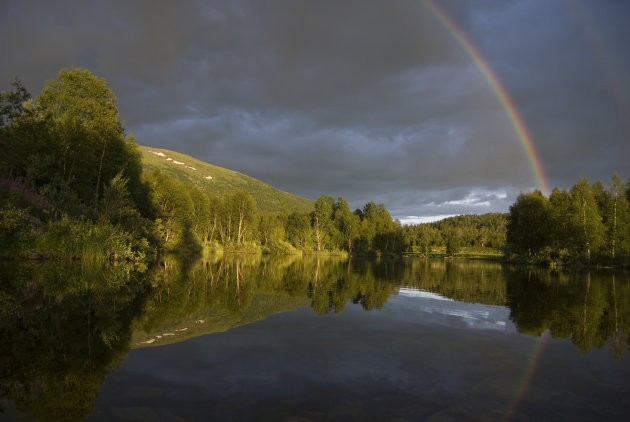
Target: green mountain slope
{"x":210,"y":321}
{"x":219,"y":181}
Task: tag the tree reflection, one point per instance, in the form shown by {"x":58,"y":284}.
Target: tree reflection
{"x":591,"y":309}
{"x":62,"y":327}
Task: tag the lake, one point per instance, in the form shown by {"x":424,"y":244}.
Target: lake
{"x":307,"y":339}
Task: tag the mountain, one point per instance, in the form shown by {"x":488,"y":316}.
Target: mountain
{"x":210,"y":321}
{"x":218,"y":181}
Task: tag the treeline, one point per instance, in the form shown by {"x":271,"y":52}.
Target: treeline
{"x":452,"y":234}
{"x":590,"y":223}
{"x":72,"y":186}
{"x":189,"y":219}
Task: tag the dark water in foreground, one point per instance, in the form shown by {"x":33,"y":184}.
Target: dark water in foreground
{"x":249,"y":338}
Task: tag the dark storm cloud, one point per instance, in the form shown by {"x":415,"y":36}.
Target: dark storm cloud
{"x":369,"y":100}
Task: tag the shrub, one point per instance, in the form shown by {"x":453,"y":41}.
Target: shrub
{"x":15,"y":236}
{"x":81,"y":239}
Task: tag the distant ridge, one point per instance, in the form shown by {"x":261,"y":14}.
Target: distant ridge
{"x":219,"y":181}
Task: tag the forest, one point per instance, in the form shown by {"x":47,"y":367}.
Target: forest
{"x":590,"y":223}
{"x":72,"y":186}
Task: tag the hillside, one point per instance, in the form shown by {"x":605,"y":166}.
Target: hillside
{"x":218,"y":181}
{"x":210,"y":321}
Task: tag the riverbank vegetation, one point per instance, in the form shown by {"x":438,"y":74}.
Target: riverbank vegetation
{"x":73,"y":185}
{"x":70,"y":180}
{"x":587,"y":225}
{"x":468,"y":235}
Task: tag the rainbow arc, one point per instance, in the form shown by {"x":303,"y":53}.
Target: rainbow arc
{"x":499,"y":91}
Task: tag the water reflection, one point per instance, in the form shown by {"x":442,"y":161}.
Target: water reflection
{"x":63,"y":326}
{"x":591,"y":309}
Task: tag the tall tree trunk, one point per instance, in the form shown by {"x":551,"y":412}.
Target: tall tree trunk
{"x":318,"y":234}
{"x":614,"y":233}
{"x":214,"y":225}
{"x":100,"y":169}
{"x":588,"y":244}
{"x":241,"y":218}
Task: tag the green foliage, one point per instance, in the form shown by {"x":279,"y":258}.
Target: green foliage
{"x":82,"y":239}
{"x":82,"y":119}
{"x":15,"y":237}
{"x":585,"y":225}
{"x":218,"y":182}
{"x":173,"y":207}
{"x":586,"y":219}
{"x":69,"y":146}
{"x":347,"y":224}
{"x":67,"y":154}
{"x":528,"y":226}
{"x":271,"y":228}
{"x":63,"y":326}
{"x":12,"y":102}
{"x":590,"y":309}
{"x":471,"y":231}
{"x":79,"y":191}
{"x":321,"y":221}
{"x":453,"y":244}
{"x":298,"y":230}
{"x":280,"y":248}
{"x":617,"y":218}
{"x":241,"y":217}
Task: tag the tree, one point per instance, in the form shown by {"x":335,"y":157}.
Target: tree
{"x":528,"y":223}
{"x":242,"y":214}
{"x":298,"y":230}
{"x":618,"y":227}
{"x":117,"y":206}
{"x":12,"y":102}
{"x":561,"y":231}
{"x":586,"y":218}
{"x":321,"y":221}
{"x":347,"y":223}
{"x":84,"y":117}
{"x":201,"y":221}
{"x":174,"y":207}
{"x":385,"y":238}
{"x":17,"y":141}
{"x":271,"y":227}
{"x":453,"y":243}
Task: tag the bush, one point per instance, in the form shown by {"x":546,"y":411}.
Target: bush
{"x":81,"y":239}
{"x":553,"y":257}
{"x":281,"y":248}
{"x":452,"y":245}
{"x":15,"y":236}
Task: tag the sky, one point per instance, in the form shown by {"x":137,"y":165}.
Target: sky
{"x":369,"y":100}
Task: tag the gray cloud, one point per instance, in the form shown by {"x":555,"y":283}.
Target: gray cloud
{"x":369,"y":100}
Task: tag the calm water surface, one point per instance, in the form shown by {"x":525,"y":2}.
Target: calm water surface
{"x":251,"y":338}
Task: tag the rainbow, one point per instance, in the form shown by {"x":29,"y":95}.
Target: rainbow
{"x":532,"y":156}
{"x":499,"y":91}
{"x":521,"y":391}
